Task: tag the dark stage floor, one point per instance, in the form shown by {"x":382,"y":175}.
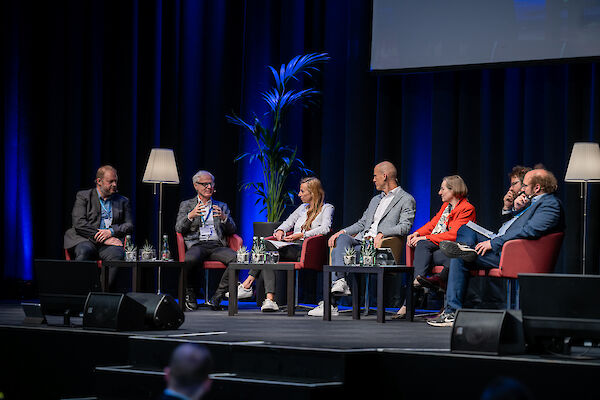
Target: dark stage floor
{"x":251,"y":325}
{"x":268,"y":352}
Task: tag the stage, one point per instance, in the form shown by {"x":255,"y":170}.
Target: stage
{"x":258,"y":354}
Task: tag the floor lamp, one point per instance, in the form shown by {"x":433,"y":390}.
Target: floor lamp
{"x":161,"y":168}
{"x":584,"y":167}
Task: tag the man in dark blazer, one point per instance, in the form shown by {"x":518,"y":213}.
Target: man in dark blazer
{"x":101,"y":219}
{"x":390,"y":213}
{"x":205,"y":224}
{"x":537,"y":212}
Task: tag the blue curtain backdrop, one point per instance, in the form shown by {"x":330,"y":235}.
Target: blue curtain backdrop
{"x":95,"y":82}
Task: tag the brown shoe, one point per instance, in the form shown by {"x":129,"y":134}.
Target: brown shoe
{"x":434,"y":282}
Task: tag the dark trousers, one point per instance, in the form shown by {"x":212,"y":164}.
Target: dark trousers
{"x":210,"y":250}
{"x":428,"y":255}
{"x":287,"y":253}
{"x":89,"y":251}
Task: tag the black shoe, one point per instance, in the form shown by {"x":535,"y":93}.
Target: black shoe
{"x":215,"y":303}
{"x":434,"y":282}
{"x":190,"y":300}
{"x":457,"y":250}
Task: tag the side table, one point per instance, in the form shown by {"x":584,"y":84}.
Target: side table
{"x":136,"y":277}
{"x":381,"y":271}
{"x":234,"y":272}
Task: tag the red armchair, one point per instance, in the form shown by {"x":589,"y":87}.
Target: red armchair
{"x":410,"y":256}
{"x":313,"y":256}
{"x":518,"y":256}
{"x":234,"y":242}
{"x":523,"y":256}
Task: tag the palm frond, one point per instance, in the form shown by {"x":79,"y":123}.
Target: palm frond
{"x":278,"y":162}
{"x":234,"y":119}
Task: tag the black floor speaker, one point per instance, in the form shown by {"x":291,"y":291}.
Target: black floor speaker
{"x":162,"y":311}
{"x":114,"y":312}
{"x":491,"y":332}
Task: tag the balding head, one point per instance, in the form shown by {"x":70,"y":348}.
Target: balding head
{"x":538,"y":181}
{"x":106,"y":181}
{"x":188,"y":370}
{"x":384,"y":176}
{"x":388,"y":169}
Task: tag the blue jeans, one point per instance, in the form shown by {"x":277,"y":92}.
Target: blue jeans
{"x":337,"y":253}
{"x":459,"y":269}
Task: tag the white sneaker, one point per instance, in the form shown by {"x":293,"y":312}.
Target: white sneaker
{"x":340,"y":288}
{"x":269,"y":305}
{"x":243,"y":293}
{"x":318,"y":311}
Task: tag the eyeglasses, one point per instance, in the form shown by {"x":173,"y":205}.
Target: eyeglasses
{"x":206,"y":184}
{"x":515,"y":183}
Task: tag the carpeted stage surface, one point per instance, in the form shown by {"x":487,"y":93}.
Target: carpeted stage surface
{"x":251,"y":325}
{"x":263,"y":355}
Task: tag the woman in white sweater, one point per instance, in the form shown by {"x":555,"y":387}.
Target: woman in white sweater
{"x":312,"y":218}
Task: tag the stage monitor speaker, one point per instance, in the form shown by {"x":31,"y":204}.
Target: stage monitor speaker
{"x":162,"y":311}
{"x":488,"y":332}
{"x":560,"y":310}
{"x":113,"y":312}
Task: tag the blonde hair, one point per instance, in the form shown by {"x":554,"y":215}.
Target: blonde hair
{"x":316,"y":203}
{"x":457,"y":185}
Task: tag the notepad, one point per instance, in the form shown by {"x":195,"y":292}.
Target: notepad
{"x":481,"y":229}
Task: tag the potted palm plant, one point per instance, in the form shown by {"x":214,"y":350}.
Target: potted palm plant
{"x":278,"y":161}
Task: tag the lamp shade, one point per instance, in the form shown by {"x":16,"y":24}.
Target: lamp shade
{"x":584,"y":164}
{"x":161,"y":167}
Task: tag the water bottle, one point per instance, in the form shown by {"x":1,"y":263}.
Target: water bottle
{"x":166,"y":254}
{"x":127,"y":240}
{"x":254,"y":243}
{"x":362,"y":251}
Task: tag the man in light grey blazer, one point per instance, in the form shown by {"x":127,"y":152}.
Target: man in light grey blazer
{"x":390,"y":213}
{"x":205,"y":224}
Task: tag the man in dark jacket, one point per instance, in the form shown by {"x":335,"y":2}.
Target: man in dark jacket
{"x":101,"y":219}
{"x":187,"y":374}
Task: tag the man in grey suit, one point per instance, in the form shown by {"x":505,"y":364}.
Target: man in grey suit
{"x":101,"y":219}
{"x":390,"y":213}
{"x":205,"y":224}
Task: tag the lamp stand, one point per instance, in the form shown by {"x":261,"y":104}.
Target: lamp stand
{"x":159,"y":243}
{"x":584,"y":190}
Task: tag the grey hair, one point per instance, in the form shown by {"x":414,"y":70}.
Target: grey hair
{"x":200,"y":173}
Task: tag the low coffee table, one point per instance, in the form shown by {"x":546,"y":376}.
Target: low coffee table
{"x":136,"y":278}
{"x":234,"y":272}
{"x":381,"y":271}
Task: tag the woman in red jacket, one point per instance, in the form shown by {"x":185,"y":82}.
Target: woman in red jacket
{"x":455,"y":212}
